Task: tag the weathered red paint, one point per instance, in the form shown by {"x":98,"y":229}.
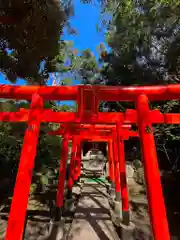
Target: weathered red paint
{"x":86,"y":131}
{"x":157,"y":208}
{"x":47,"y":93}
{"x":116,"y":169}
{"x":110,"y":161}
{"x":129,"y":117}
{"x":104,"y":93}
{"x":72,"y":163}
{"x":122,"y":169}
{"x":78,"y":161}
{"x":88,"y":98}
{"x":17,"y":213}
{"x":62,"y":171}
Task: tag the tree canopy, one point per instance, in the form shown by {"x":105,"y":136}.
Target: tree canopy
{"x":142,"y":47}
{"x":143,"y":39}
{"x":30,"y":37}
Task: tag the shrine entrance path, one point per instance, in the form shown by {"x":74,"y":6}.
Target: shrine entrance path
{"x":92,"y":218}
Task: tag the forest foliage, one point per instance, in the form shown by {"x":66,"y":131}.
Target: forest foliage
{"x":142,"y":48}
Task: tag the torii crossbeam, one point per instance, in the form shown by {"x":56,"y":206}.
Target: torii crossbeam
{"x":103,"y":133}
{"x":88,"y":99}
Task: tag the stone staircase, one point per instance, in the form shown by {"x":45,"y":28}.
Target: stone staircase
{"x":94,"y":163}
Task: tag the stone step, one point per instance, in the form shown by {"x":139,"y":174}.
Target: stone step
{"x":92,"y":218}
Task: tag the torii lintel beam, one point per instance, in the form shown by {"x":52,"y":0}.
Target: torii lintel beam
{"x":105,"y":93}
{"x":129,"y":117}
{"x":77,"y":128}
{"x":125,"y":133}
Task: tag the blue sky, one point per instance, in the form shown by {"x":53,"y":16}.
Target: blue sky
{"x":84,"y":21}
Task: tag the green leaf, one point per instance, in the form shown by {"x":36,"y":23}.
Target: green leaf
{"x":67,"y":81}
{"x":44,"y":180}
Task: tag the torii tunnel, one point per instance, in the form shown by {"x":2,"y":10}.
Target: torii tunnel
{"x":88,"y":99}
{"x":101,"y":133}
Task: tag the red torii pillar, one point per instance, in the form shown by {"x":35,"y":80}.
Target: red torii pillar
{"x":122,"y":167}
{"x":105,"y":93}
{"x":111,"y":164}
{"x":116,"y":171}
{"x":93,"y":130}
{"x":121,"y":188}
{"x":62,"y":177}
{"x":16,"y":219}
{"x":72,"y":167}
{"x":76,"y":128}
{"x":98,"y":138}
{"x":75,"y":164}
{"x":119,"y":160}
{"x":117,"y":174}
{"x":77,"y":170}
{"x":153,"y":182}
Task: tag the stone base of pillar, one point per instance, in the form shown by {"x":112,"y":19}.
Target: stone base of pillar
{"x":58,"y":214}
{"x":127,"y":232}
{"x":125,"y":217}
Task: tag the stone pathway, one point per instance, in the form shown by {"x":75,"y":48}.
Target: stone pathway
{"x":92,"y":218}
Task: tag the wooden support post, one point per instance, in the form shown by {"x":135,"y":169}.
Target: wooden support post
{"x":17,"y":214}
{"x":156,"y":204}
{"x":62,"y":177}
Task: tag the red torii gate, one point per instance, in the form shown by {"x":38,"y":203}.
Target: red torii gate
{"x":98,"y":133}
{"x":88,"y":98}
